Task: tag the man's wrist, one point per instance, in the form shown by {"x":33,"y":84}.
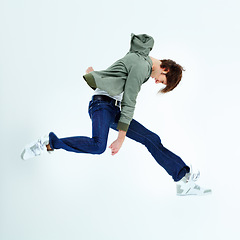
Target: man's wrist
{"x":121,"y":135}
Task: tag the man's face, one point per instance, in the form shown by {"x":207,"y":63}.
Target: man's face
{"x":159,"y":74}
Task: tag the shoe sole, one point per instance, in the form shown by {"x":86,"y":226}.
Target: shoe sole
{"x":203,"y":194}
{"x":25,"y":159}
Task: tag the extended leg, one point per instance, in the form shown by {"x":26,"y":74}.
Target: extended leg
{"x":172,"y":163}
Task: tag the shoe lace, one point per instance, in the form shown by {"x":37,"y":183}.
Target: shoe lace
{"x":194,"y":176}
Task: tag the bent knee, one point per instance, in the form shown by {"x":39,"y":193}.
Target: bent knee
{"x":100,"y":148}
{"x":156,"y":138}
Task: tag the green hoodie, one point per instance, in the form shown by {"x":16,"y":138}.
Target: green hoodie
{"x":126,"y":75}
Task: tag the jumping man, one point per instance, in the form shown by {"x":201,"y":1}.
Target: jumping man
{"x":112,"y":106}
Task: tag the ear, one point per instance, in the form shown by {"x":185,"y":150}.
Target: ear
{"x":166,"y":70}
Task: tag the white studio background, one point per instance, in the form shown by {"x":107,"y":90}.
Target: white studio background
{"x":45,"y":48}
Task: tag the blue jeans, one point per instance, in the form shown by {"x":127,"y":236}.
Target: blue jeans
{"x":104,"y":116}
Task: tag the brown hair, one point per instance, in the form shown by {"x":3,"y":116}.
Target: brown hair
{"x":174,"y":74}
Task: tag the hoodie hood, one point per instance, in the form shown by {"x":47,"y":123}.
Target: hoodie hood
{"x":141,"y":44}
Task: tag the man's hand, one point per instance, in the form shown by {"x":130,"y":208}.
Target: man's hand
{"x":90,"y":69}
{"x":116,"y":145}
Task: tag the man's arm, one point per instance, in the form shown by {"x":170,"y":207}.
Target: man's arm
{"x":135,"y":79}
{"x":133,"y":84}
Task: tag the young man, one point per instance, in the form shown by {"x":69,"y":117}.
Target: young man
{"x":112,"y":106}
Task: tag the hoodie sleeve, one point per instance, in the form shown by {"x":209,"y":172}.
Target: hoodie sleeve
{"x":135,"y":79}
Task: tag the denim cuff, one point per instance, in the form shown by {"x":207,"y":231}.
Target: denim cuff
{"x":182,"y":173}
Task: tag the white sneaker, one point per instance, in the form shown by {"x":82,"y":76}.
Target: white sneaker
{"x":187,"y":186}
{"x":36,"y":148}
